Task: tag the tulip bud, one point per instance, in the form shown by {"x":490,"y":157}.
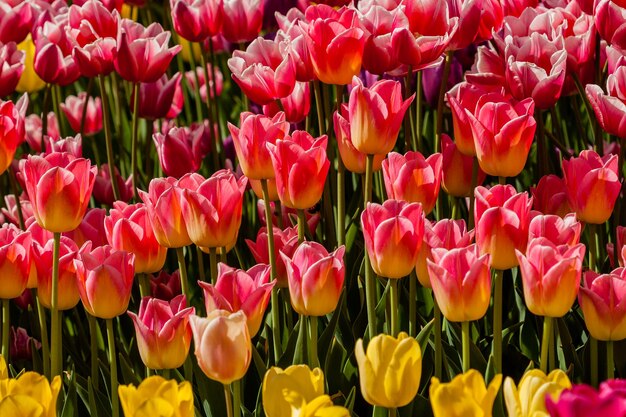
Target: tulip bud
{"x":156,"y":393}
{"x":529,"y":397}
{"x":468,"y":389}
{"x":300,"y":380}
{"x":602,"y":299}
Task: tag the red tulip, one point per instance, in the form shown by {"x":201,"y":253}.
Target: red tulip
{"x":242,"y":20}
{"x":609,"y":16}
{"x":16,"y":20}
{"x":559,"y":231}
{"x":380,"y":54}
{"x":53,"y":54}
{"x":68,"y":295}
{"x":10,"y":212}
{"x":550,"y":196}
{"x":165,"y":286}
{"x":454,"y":170}
{"x":159,"y":98}
{"x":393,"y":233}
{"x":15,"y":261}
{"x":602,"y":299}
{"x":583,"y":400}
{"x":285,"y":241}
{"x":11,"y":67}
{"x":12,"y":129}
{"x":182,"y":149}
{"x":196,"y":20}
{"x":73,"y":110}
{"x":296,"y":105}
{"x":292,"y":34}
{"x":90,"y":229}
{"x":236,"y":289}
{"x":103,"y":189}
{"x":21,"y":347}
{"x":502,"y":219}
{"x":301,"y":166}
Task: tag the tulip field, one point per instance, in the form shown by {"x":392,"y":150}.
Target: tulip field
{"x":297,"y":208}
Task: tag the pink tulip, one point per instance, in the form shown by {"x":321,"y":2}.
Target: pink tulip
{"x":516,"y":7}
{"x":488,"y":70}
{"x":469,"y":14}
{"x":393,"y":233}
{"x":105,"y":280}
{"x":592,"y":185}
{"x":335,"y":42}
{"x":196,"y":20}
{"x":550,"y":276}
{"x":128,"y":229}
{"x":160,"y":99}
{"x":263,"y":72}
{"x":33,"y":125}
{"x":223,"y":346}
{"x":609,"y":16}
{"x":461,"y":282}
{"x":296,"y":105}
{"x":16,"y":19}
{"x":236,"y":289}
{"x":199,"y":73}
{"x":59,"y":187}
{"x":255,"y":131}
{"x":165,"y":213}
{"x":73,"y":145}
{"x":91,"y":21}
{"x":301,"y":166}
{"x":182,"y":149}
{"x":583,"y":400}
{"x":12,"y":129}
{"x":413,"y":178}
{"x":90,"y":229}
{"x":73,"y":110}
{"x":602,"y":299}
{"x":315,"y":278}
{"x":10,"y":212}
{"x":550,"y":196}
{"x":503,"y":131}
{"x":103,"y":190}
{"x":165,"y":286}
{"x":376,"y":115}
{"x":15,"y":261}
{"x":559,"y":231}
{"x":11,"y":67}
{"x":610,"y":109}
{"x":380,"y":54}
{"x":163,"y":332}
{"x":288,"y":216}
{"x":502,"y":219}
{"x":142,"y":53}
{"x":242,"y":20}
{"x":445,"y":234}
{"x":292,"y":35}
{"x":212,"y":207}
{"x":285,"y":241}
{"x":454,"y":169}
{"x":21,"y":345}
{"x":68,"y":293}
{"x":621,"y":249}
{"x":53,"y":52}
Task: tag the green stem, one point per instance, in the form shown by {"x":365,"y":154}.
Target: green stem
{"x":341,"y":203}
{"x":610,"y":363}
{"x":214,"y":139}
{"x":236,"y":385}
{"x":198,"y":100}
{"x":107,"y":135}
{"x":370,"y":280}
{"x":213,"y":264}
{"x":593,"y":353}
{"x":45,"y":346}
{"x":115,"y":403}
{"x":393,"y":412}
{"x":545,"y":343}
{"x":473,"y":188}
{"x":44,"y":116}
{"x":144,"y":285}
{"x":200,"y":256}
{"x":409,"y":123}
{"x":134,"y":133}
{"x":18,"y":203}
{"x":419,"y":104}
{"x":182,"y":268}
{"x":442,"y":91}
{"x":302,"y":342}
{"x":83,"y":116}
{"x":438,"y":344}
{"x":542,"y":154}
{"x":465,"y":327}
{"x":229,"y":401}
{"x":6,"y":324}
{"x":593,"y":247}
{"x":301,"y":225}
{"x":497,"y":321}
{"x":56,"y":342}
{"x":93,"y":340}
{"x":319,"y":106}
{"x":218,"y":110}
{"x":413,"y":304}
{"x":313,"y":357}
{"x":393,"y":303}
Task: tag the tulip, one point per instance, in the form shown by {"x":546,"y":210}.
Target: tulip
{"x":318,"y":407}
{"x":27,"y":395}
{"x":560,"y":231}
{"x":299,"y":380}
{"x":10,"y":213}
{"x":529,"y":398}
{"x":502,"y":220}
{"x":165,"y":213}
{"x":204,"y":89}
{"x":551,"y":276}
{"x":393,"y":235}
{"x":487,"y":73}
{"x":296,"y":105}
{"x":15,"y":261}
{"x":73,"y":109}
{"x":353,"y":160}
{"x":128,"y":229}
{"x":90,"y":229}
{"x":413,"y":178}
{"x":263,"y":72}
{"x":592,"y":185}
{"x":12,"y":66}
{"x":12,"y":129}
{"x":250,"y":138}
{"x":29,"y":80}
{"x":105,"y":280}
{"x":142,"y":53}
{"x":73,"y":145}
{"x":33,"y":125}
{"x":583,"y":400}
{"x":196,"y":20}
{"x":182,"y":149}
{"x":301,"y":166}
{"x":236,"y":289}
{"x":285,"y":241}
{"x":242,"y":20}
{"x":315,"y":278}
{"x":376,"y":115}
{"x":223,"y":346}
{"x":16,"y":19}
{"x":165,"y":286}
{"x":160,"y":99}
{"x":503,"y":131}
{"x":609,"y":110}
{"x":454,"y":169}
{"x":156,"y":393}
{"x":465,"y":395}
{"x":602,"y":299}
{"x":390,"y":370}
{"x":103,"y":189}
{"x":68,"y":294}
{"x":335,"y":43}
{"x":212,"y":207}
{"x":446,"y":234}
{"x":22,"y":345}
{"x":550,"y":196}
{"x":609,"y":16}
{"x":293,"y":26}
{"x":59,"y":187}
{"x":53,"y":53}
{"x":163,"y":332}
{"x":381,"y":54}
{"x":461,"y":282}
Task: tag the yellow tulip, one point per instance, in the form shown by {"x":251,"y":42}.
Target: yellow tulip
{"x":321,"y":406}
{"x":29,"y":81}
{"x":157,"y":397}
{"x":390,"y":371}
{"x":528,"y":399}
{"x":465,"y":396}
{"x":28,"y":395}
{"x":295,"y":386}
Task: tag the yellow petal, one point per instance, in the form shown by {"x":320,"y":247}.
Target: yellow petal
{"x":21,"y":406}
